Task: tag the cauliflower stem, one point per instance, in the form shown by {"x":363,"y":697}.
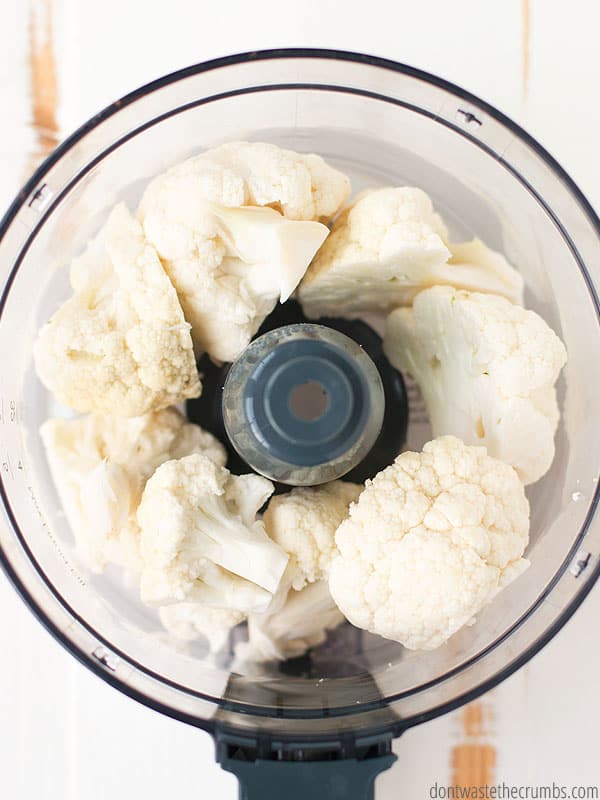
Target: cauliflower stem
{"x":200,"y":536}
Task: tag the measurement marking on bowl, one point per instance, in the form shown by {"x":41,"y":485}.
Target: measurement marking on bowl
{"x":106,"y":659}
{"x":580,"y":563}
{"x":46,"y":527}
{"x":40,"y":198}
{"x":9,"y":412}
{"x":7,"y":466}
{"x":469,"y":117}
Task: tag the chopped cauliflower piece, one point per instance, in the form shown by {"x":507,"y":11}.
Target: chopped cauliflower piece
{"x":476,"y":268}
{"x":304,"y":521}
{"x":120,"y":345}
{"x":301,"y":623}
{"x":386,"y":247}
{"x":431,"y":540}
{"x":486,"y":369}
{"x":189,"y":621}
{"x":100,"y":466}
{"x":269,"y":251}
{"x":236,"y":227}
{"x":201,"y":540}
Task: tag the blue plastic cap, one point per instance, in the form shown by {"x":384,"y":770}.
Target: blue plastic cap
{"x":303,"y":404}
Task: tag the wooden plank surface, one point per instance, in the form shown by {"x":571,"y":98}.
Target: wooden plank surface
{"x":61,"y":61}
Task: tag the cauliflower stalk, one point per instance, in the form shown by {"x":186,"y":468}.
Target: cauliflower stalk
{"x":386,"y":247}
{"x":431,"y":540}
{"x":120,"y":345}
{"x":190,"y":621}
{"x":301,"y":623}
{"x":486,"y":369}
{"x":304,"y":521}
{"x":236,"y":227}
{"x":100,"y":466}
{"x":269,"y":251}
{"x":201,"y":540}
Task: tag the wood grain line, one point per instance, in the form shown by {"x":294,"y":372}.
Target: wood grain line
{"x":525,"y":44}
{"x":473,"y":759}
{"x":43,"y":80}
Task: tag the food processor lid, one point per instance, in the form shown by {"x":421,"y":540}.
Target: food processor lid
{"x":474,"y":123}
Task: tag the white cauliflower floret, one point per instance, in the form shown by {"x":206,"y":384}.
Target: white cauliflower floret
{"x":189,"y":621}
{"x":201,"y":540}
{"x":486,"y":369}
{"x":301,"y":186}
{"x":431,"y":540}
{"x":236,"y":229}
{"x":302,"y":622}
{"x":388,"y":246}
{"x":304,"y":522}
{"x":100,"y":466}
{"x":120,"y":345}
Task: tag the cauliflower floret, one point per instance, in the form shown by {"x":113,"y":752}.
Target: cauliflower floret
{"x":230,"y":256}
{"x":304,"y":523}
{"x":388,"y":246}
{"x":100,"y":466}
{"x":120,"y":345}
{"x":486,"y":369}
{"x":431,"y":540}
{"x":301,"y":186}
{"x":201,"y":540}
{"x":301,"y":623}
{"x":189,"y":621}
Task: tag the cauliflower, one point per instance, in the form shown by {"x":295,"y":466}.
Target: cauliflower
{"x":388,"y":246}
{"x":431,"y":540}
{"x":304,"y":523}
{"x":201,"y":541}
{"x":301,"y":623}
{"x":189,"y":621}
{"x":486,"y":369}
{"x":477,"y":268}
{"x":300,"y":186}
{"x":100,"y":466}
{"x":236,"y":229}
{"x":120,"y":345}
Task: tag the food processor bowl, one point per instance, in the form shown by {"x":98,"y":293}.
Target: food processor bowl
{"x":383,"y":124}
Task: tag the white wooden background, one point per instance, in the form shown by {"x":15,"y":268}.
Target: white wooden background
{"x":65,"y":735}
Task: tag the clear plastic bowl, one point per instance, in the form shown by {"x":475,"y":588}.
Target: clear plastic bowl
{"x":383,"y":124}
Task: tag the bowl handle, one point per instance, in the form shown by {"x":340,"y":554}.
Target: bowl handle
{"x":336,"y":779}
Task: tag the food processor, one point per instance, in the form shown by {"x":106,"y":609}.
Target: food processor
{"x":321,"y":725}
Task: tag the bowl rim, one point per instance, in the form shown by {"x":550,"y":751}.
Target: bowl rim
{"x":281,"y":53}
{"x":35,"y":181}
